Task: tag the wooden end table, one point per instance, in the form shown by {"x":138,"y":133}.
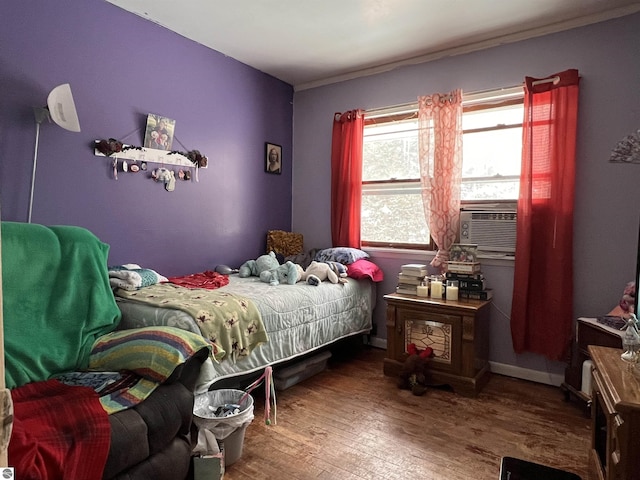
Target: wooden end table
{"x":458,"y":332}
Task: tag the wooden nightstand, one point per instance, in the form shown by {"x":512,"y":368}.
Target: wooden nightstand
{"x":588,"y":332}
{"x":458,"y":332}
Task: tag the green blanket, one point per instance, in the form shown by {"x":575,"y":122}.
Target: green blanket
{"x":231,"y":322}
{"x":56,"y":299}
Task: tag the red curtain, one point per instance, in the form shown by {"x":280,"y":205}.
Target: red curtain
{"x":542,"y":308}
{"x":346,"y":178}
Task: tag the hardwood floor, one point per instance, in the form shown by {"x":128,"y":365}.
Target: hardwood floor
{"x":352,"y":422}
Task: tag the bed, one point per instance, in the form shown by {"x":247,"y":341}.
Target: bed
{"x":298,"y":319}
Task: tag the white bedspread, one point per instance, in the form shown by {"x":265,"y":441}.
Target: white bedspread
{"x":298,"y":319}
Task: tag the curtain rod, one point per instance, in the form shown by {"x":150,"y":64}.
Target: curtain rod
{"x":413,"y":105}
{"x":555,"y":79}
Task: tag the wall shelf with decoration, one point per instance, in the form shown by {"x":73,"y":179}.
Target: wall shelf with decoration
{"x":115,"y":149}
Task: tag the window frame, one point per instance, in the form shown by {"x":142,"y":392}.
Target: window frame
{"x":486,"y":100}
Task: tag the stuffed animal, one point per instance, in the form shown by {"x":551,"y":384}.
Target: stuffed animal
{"x":269,"y":270}
{"x":340,"y":269}
{"x":628,"y":299}
{"x":253,"y":268}
{"x":625,"y":307}
{"x":286,"y":273}
{"x":300,"y":271}
{"x":168,"y":177}
{"x":316,"y":272}
{"x":414,"y":374}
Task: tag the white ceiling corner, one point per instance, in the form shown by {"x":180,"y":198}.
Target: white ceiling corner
{"x":314,"y":42}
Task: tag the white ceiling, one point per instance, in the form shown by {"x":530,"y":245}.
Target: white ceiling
{"x":313,"y":42}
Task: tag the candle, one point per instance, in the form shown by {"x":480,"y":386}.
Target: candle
{"x":423,"y":291}
{"x":436,"y":289}
{"x":452,"y":292}
{"x":452,"y":289}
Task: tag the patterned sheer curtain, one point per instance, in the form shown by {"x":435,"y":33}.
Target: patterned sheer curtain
{"x":440,"y":152}
{"x":542,"y":307}
{"x":346,"y":178}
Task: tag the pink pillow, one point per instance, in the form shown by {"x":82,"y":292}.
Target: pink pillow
{"x":365,"y":269}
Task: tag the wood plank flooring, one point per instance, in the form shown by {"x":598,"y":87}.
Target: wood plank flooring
{"x":351,"y":422}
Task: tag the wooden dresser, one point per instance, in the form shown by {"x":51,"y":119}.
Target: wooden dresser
{"x":615,"y":417}
{"x":458,"y":332}
{"x":588,"y":332}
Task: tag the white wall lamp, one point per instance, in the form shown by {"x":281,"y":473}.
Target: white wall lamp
{"x":62,"y":110}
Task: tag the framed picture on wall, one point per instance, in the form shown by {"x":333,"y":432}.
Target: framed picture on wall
{"x":273,"y":158}
{"x":159,"y":132}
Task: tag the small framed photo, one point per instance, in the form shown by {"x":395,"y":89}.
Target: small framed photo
{"x":159,"y":132}
{"x":273,"y":158}
{"x":463,"y":252}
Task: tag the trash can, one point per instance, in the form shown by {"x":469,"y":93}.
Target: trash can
{"x":228,"y":430}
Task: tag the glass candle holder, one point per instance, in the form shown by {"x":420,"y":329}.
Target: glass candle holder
{"x":437,"y":288}
{"x":452,"y":289}
{"x":423,"y":289}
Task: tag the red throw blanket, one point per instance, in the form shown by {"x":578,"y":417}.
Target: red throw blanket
{"x":206,"y":279}
{"x":59,"y":432}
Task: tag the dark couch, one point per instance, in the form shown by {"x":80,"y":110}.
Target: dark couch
{"x":153,"y":440}
{"x":57,"y":303}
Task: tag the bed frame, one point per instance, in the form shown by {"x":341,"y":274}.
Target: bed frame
{"x":299,"y":319}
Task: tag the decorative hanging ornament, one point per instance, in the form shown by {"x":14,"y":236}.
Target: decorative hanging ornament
{"x":627,"y":150}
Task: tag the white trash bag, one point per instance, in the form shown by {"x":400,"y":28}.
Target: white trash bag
{"x":218,"y":414}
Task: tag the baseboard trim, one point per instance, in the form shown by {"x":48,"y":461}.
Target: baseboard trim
{"x":547,"y":378}
{"x":500,"y":368}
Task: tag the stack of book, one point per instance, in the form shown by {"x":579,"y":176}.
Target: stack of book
{"x":464,"y":267}
{"x":411,"y":275}
{"x":470,"y":285}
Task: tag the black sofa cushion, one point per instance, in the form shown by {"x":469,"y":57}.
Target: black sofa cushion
{"x":153,"y":439}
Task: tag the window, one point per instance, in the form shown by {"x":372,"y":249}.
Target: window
{"x":392,"y":211}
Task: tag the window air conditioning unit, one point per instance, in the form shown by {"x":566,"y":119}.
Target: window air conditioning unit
{"x":491,"y":230}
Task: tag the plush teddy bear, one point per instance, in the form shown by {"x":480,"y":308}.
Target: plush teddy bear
{"x":625,"y":307}
{"x":286,"y":273}
{"x":253,"y":268}
{"x":628,"y":299}
{"x":316,"y":272}
{"x":269,"y":270}
{"x":415,"y":372}
{"x":340,"y":269}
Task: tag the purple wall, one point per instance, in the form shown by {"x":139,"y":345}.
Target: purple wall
{"x":607,"y":204}
{"x":122,"y":67}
